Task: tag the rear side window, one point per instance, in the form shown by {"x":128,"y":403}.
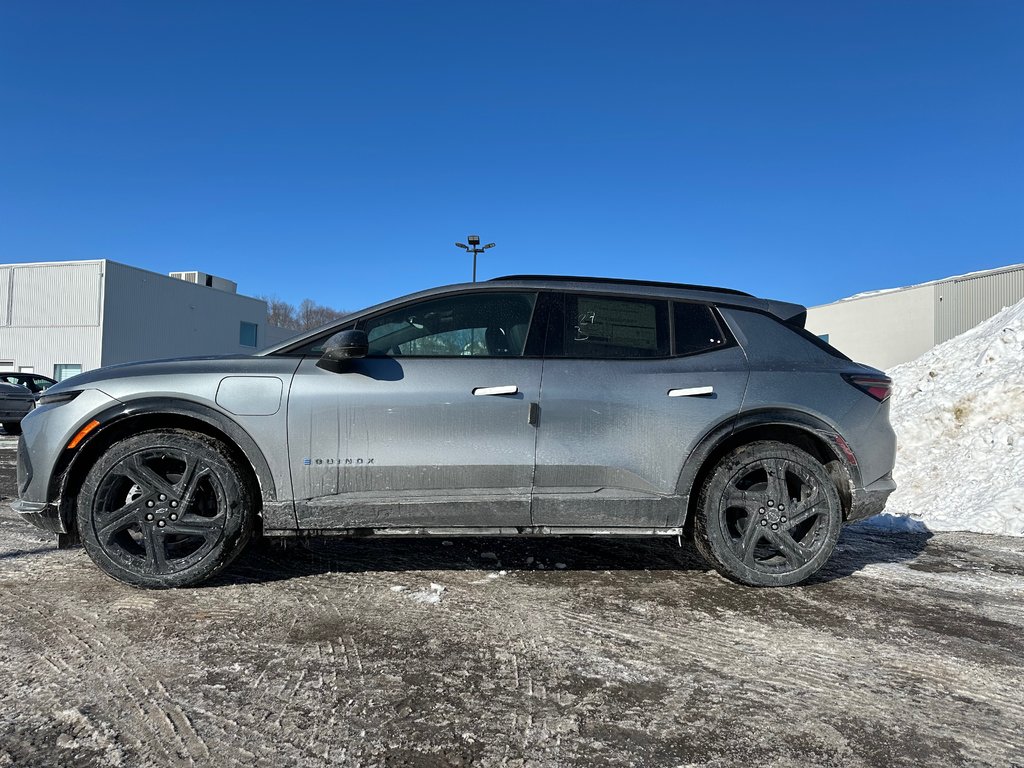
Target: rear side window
{"x":696,"y":329}
{"x":615,"y":327}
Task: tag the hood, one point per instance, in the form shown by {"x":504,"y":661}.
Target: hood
{"x":175,"y":365}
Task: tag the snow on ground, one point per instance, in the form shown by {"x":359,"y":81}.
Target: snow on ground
{"x":958,"y":411}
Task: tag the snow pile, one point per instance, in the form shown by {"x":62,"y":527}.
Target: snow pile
{"x":958,"y":411}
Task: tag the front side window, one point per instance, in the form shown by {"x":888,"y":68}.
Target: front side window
{"x":482,"y":324}
{"x":615,"y":327}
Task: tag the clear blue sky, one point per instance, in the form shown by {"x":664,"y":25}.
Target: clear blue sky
{"x":337,"y":150}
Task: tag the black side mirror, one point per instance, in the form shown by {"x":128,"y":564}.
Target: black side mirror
{"x":347,"y":345}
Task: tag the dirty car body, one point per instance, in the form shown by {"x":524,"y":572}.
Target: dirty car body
{"x":520,"y":406}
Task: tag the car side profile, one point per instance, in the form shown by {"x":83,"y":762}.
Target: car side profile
{"x":522,"y":406}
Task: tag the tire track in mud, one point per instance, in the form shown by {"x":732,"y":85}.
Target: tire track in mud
{"x":807,"y":664}
{"x":575,"y":668}
{"x":148,"y":696}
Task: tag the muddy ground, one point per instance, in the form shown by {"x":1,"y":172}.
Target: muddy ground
{"x":907,"y":650}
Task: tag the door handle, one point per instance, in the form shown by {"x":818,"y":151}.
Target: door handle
{"x":691,"y":392}
{"x":509,"y":389}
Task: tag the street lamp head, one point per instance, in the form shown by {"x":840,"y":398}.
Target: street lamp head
{"x":490,"y":245}
{"x":473,"y":239}
{"x":463,"y":246}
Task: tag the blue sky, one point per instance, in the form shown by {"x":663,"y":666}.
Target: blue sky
{"x":337,"y":150}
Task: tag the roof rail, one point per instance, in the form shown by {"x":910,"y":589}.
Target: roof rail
{"x":622,"y":281}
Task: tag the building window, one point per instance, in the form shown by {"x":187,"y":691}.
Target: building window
{"x":63,"y":371}
{"x":823,"y":337}
{"x":247,"y":334}
{"x":26,"y":369}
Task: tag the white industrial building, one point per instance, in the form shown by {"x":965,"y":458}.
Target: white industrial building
{"x":889,"y":327}
{"x":62,"y":318}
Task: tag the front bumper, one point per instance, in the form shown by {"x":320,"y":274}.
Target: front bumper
{"x":10,"y":412}
{"x":871,"y":500}
{"x":41,"y":514}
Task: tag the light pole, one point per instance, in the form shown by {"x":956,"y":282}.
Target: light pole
{"x":475,"y":248}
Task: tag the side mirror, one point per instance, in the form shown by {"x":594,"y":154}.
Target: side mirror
{"x":347,"y":345}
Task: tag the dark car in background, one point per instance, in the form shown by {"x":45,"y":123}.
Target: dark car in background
{"x":33,"y":382}
{"x":523,"y":406}
{"x":15,"y":403}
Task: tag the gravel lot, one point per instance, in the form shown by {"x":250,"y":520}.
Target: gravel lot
{"x":907,"y":650}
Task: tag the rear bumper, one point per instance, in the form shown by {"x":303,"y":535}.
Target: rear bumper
{"x":41,"y":515}
{"x":871,"y":500}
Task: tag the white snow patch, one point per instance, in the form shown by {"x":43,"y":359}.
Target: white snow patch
{"x":430,"y":596}
{"x":958,"y":412}
{"x":81,"y":732}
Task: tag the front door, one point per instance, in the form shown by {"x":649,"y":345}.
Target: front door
{"x":431,"y":429}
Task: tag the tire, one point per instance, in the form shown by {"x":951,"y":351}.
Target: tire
{"x":759,"y":531}
{"x":166,"y":508}
{"x":12,"y":427}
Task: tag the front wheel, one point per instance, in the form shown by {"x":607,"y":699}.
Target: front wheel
{"x":768,"y":515}
{"x":12,"y":427}
{"x":164,"y":509}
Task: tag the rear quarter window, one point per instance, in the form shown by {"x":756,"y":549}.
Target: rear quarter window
{"x":696,"y":329}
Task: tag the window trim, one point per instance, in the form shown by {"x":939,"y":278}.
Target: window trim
{"x":559,"y":317}
{"x":549,"y":307}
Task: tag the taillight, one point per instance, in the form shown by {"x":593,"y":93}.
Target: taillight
{"x":879,"y":387}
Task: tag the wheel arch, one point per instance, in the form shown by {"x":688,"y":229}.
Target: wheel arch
{"x":133,"y":417}
{"x":798,"y":428}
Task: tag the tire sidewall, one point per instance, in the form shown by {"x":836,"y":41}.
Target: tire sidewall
{"x":715,"y":544}
{"x":238,"y":512}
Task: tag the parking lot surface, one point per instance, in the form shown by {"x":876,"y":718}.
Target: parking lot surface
{"x":906,"y":650}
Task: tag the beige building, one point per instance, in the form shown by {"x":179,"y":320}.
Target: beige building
{"x":889,"y":327}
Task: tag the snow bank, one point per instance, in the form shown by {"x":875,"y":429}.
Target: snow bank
{"x":958,"y":411}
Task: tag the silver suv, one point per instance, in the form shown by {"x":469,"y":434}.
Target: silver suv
{"x":522,"y":406}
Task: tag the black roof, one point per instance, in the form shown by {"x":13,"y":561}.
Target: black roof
{"x":622,"y":281}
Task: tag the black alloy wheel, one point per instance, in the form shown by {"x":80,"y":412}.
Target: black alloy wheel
{"x":768,"y":515}
{"x":165,"y":509}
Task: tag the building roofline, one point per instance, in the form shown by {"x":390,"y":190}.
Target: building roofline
{"x":104,"y":262}
{"x":950,"y":279}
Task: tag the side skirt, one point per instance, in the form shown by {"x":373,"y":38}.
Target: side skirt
{"x":539,"y":530}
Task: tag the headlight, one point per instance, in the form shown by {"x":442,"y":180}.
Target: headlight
{"x":58,"y":397}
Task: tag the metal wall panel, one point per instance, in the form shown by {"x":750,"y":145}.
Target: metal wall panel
{"x":963,"y":302}
{"x":5,"y":296}
{"x":148,"y":316}
{"x":56,"y":295}
{"x":50,"y":315}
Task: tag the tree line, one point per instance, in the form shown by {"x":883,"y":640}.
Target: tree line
{"x":307,"y":315}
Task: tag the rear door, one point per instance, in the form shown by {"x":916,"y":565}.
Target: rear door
{"x":432,"y":428}
{"x":630,"y":386}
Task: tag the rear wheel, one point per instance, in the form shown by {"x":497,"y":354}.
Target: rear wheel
{"x":768,"y":515}
{"x":12,"y":427}
{"x":165,"y":509}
